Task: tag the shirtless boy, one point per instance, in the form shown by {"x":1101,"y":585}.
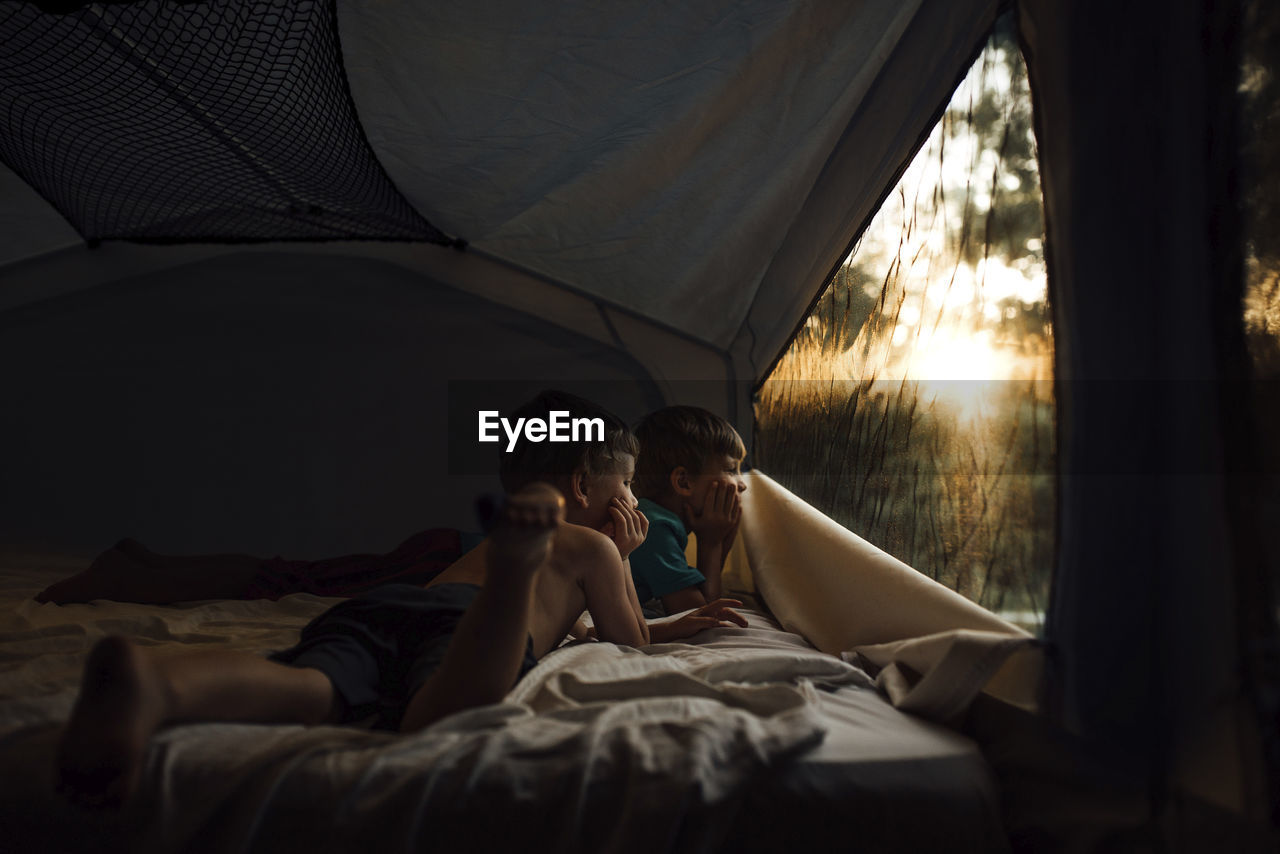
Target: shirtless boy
{"x":460,"y":642}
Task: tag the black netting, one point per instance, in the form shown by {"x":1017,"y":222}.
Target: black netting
{"x":215,"y":121}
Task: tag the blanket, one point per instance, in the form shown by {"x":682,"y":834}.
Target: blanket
{"x":600,"y":748}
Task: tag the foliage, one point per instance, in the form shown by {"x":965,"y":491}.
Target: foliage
{"x":956,"y":479}
{"x":1260,"y":181}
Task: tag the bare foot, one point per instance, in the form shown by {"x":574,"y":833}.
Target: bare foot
{"x":130,"y":572}
{"x":112,"y":575}
{"x":523,"y":532}
{"x":121,"y":703}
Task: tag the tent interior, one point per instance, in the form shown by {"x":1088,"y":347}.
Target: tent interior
{"x":261,"y":264}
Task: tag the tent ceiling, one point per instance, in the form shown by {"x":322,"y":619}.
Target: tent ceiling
{"x":648,"y":157}
{"x":664,"y":160}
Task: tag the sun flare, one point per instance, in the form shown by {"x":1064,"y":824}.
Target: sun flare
{"x":959,"y":371}
{"x":948,"y":357}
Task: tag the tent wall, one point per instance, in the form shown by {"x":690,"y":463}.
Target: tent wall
{"x":268,"y":401}
{"x":700,"y":166}
{"x":675,"y":160}
{"x":1137,"y":155}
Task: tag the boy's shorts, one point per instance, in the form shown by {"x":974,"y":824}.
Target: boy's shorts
{"x":378,"y":648}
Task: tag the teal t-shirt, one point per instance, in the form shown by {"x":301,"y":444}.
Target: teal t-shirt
{"x":658,"y":566}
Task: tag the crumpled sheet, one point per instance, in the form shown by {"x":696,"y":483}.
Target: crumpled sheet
{"x":938,"y":676}
{"x":599,"y":748}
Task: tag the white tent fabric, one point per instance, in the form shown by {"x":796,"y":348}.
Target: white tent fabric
{"x":679,"y":163}
{"x":848,"y":597}
{"x":653,"y":155}
{"x":851,"y":592}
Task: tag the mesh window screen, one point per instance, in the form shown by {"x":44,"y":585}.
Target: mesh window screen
{"x":916,"y":405}
{"x":218,"y":121}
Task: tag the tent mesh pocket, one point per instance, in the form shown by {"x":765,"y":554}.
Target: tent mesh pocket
{"x":214,"y":121}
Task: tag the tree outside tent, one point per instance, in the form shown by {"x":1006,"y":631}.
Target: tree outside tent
{"x":916,"y":404}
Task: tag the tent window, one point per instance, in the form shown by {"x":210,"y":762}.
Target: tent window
{"x":916,"y":404}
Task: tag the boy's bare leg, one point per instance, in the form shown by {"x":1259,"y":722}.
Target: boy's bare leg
{"x":216,"y":576}
{"x":127,"y":693}
{"x":487,"y":648}
{"x":129,"y":572}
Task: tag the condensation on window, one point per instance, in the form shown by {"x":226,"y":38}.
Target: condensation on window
{"x":916,"y":404}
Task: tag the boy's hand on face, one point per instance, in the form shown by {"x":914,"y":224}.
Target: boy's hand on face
{"x":732,"y":534}
{"x":717,"y":520}
{"x":627,"y":527}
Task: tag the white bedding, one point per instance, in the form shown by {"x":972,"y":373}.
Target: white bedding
{"x":742,"y":739}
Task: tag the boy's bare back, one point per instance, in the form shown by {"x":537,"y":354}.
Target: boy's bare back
{"x":583,"y":572}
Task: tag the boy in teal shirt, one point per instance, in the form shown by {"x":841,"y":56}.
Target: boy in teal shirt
{"x":688,"y":479}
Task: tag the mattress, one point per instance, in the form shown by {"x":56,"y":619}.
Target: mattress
{"x":738,"y":739}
